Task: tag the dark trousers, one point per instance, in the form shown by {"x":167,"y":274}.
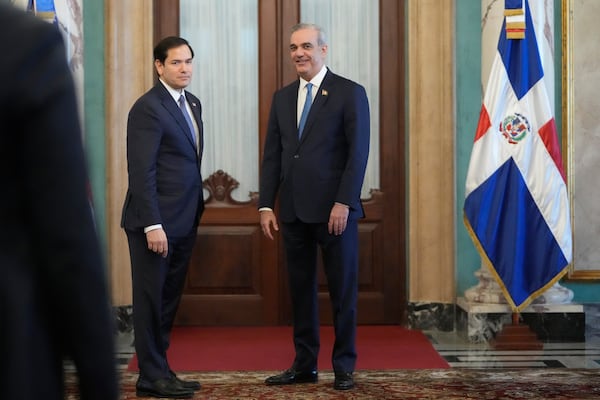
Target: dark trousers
{"x":340,"y":260}
{"x":157,"y":288}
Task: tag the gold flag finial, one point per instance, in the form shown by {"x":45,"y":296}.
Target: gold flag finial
{"x":514,"y":12}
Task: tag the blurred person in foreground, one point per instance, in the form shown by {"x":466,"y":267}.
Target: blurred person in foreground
{"x":54,"y":304}
{"x":315,"y":157}
{"x":162,"y":209}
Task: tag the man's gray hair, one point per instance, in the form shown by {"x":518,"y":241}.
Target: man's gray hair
{"x":321,"y":41}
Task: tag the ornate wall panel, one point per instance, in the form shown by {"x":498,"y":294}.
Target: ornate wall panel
{"x":431,"y":150}
{"x":129,"y":73}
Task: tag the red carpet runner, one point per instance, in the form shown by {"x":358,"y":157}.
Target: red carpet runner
{"x":271,"y":348}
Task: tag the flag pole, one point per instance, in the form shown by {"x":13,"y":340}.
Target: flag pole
{"x":515,"y":318}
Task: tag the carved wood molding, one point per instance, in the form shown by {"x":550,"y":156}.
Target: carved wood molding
{"x":220,"y":185}
{"x":376,"y":196}
{"x":373,"y":206}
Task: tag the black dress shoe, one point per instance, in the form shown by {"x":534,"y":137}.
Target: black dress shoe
{"x":343,"y":381}
{"x":163,"y":388}
{"x":193,"y":385}
{"x":291,"y":376}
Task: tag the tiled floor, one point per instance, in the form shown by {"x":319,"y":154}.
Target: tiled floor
{"x":125,"y":350}
{"x":461,"y":354}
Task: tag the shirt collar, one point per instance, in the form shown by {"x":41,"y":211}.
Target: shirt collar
{"x":173,"y":92}
{"x":316,"y":80}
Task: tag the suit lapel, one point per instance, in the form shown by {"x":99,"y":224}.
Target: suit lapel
{"x":292,"y":101}
{"x":173,"y":108}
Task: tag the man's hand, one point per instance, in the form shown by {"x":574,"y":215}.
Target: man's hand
{"x":268,"y":219}
{"x":157,"y":242}
{"x":338,"y":218}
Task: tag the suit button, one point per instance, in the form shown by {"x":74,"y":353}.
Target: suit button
{"x":296,"y":156}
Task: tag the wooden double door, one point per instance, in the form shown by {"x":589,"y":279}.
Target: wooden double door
{"x":238,"y":277}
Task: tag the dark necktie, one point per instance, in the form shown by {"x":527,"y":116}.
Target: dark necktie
{"x":306,"y":109}
{"x":187,"y":117}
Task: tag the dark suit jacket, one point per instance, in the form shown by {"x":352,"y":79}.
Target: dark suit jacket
{"x":328,"y":163}
{"x":165,"y":185}
{"x":53,"y":294}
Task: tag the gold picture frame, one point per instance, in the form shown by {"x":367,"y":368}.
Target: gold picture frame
{"x":581,"y":131}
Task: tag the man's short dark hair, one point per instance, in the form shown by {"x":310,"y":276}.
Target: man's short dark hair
{"x":170,"y":42}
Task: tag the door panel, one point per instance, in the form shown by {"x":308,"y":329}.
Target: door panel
{"x":230,"y":275}
{"x":371,"y":277}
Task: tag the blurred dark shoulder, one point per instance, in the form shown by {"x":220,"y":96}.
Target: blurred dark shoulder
{"x":27,"y":40}
{"x":35,"y":80}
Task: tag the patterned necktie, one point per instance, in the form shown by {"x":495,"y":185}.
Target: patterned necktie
{"x":306,"y":109}
{"x":187,"y":117}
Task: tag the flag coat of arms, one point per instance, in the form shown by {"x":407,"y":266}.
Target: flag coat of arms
{"x":516,"y":204}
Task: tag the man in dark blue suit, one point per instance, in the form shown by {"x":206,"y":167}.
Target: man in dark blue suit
{"x":162,"y":209}
{"x":316,"y":161}
{"x":54,"y":302}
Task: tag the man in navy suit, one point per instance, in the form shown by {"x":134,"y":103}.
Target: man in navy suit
{"x":162,"y":209}
{"x":317,"y":164}
{"x":54,"y":302}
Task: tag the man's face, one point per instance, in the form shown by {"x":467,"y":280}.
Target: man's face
{"x":307,"y":55}
{"x":177,"y":68}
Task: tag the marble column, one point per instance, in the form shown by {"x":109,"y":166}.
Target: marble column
{"x":430,"y":169}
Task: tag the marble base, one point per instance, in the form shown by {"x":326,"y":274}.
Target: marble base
{"x":123,"y":319}
{"x":480,"y":322}
{"x":592,"y":322}
{"x":431,"y":316}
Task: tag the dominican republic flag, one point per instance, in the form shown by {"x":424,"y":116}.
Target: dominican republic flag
{"x":516,"y":207}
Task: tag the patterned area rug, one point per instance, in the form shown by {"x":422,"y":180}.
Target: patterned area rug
{"x":447,"y":384}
